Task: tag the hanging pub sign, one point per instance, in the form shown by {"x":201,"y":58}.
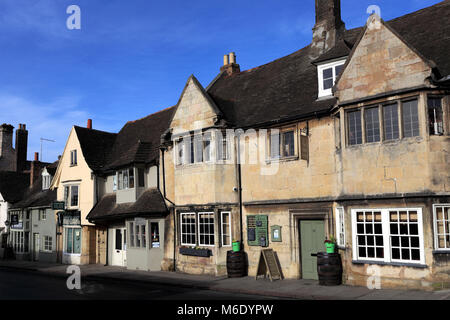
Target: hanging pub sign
{"x":58,"y":205}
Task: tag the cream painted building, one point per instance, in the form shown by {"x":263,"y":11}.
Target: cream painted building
{"x":77,"y":186}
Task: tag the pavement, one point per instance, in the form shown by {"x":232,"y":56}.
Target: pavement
{"x":290,"y":289}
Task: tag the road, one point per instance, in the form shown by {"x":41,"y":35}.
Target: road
{"x":28,"y":285}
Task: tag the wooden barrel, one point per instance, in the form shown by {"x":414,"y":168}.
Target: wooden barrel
{"x":236,"y":266}
{"x":329,"y":269}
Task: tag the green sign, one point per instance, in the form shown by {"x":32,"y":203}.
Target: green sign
{"x":257,"y":231}
{"x":58,"y":205}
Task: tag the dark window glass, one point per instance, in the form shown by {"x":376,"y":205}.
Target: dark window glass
{"x":354,"y":127}
{"x":435,"y":116}
{"x":141,"y":177}
{"x":410,"y":119}
{"x":118,"y":239}
{"x":131,"y":177}
{"x":372,"y":125}
{"x":327,"y":78}
{"x":74,"y":196}
{"x":338,"y":70}
{"x":288,"y":144}
{"x":390,"y":115}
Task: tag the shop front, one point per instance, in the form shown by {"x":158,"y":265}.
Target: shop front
{"x":72,"y":236}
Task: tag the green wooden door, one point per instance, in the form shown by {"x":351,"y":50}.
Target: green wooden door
{"x":312,"y":237}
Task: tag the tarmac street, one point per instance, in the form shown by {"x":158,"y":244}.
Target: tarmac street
{"x":34,"y":280}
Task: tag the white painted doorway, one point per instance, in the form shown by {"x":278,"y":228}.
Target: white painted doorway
{"x":119,"y":252}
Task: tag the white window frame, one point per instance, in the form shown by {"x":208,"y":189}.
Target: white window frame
{"x":69,"y":196}
{"x":209,"y":233}
{"x":435,"y":228}
{"x":73,"y":233}
{"x":320,"y":68}
{"x":48,"y":244}
{"x":42,"y":214}
{"x":181,"y":229}
{"x":340,"y":227}
{"x":46,"y":181}
{"x":386,"y":236}
{"x":222,"y":232}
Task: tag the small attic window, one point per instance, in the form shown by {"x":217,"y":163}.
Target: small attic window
{"x":327,"y":75}
{"x":46,"y":179}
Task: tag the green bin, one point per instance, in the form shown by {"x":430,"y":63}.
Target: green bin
{"x":236,"y":246}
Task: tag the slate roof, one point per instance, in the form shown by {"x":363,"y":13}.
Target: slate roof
{"x":36,"y":197}
{"x":13,"y":185}
{"x":150,"y":203}
{"x":287,"y":88}
{"x":95,"y":145}
{"x":139,"y":140}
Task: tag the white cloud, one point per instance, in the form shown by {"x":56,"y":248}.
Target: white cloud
{"x":51,"y":120}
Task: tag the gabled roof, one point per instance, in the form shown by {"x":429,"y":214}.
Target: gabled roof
{"x":288,"y":87}
{"x":95,"y":145}
{"x":139,"y":140}
{"x":150,"y":203}
{"x":13,"y":185}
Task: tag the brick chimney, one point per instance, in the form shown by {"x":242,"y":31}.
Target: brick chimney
{"x":21,"y":147}
{"x":35,"y":170}
{"x":229,"y":64}
{"x":89,"y":124}
{"x":6,"y":135}
{"x":329,"y":27}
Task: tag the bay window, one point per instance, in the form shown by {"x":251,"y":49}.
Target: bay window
{"x":388,"y":235}
{"x":72,"y":240}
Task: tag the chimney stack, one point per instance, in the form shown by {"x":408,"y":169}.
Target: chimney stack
{"x":21,"y":147}
{"x":89,"y":124}
{"x":229,"y":64}
{"x":6,"y":137}
{"x":329,"y":27}
{"x":35,"y":170}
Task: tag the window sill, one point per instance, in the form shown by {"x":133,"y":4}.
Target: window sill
{"x":285,"y":159}
{"x":446,"y":251}
{"x":395,"y":264}
{"x":73,"y":165}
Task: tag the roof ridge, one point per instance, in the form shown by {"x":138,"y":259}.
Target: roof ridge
{"x":150,"y":115}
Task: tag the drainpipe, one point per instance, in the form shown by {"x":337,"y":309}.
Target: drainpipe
{"x":107,"y":247}
{"x":240,"y":188}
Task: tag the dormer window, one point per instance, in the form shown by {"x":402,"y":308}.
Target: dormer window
{"x":126,"y":179}
{"x":46,"y":179}
{"x":327,"y":74}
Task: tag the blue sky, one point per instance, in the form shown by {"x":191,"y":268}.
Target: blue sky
{"x":132,"y":58}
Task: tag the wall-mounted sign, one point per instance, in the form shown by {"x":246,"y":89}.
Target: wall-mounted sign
{"x":276,"y":233}
{"x":58,"y":205}
{"x":139,"y":221}
{"x":71,"y":218}
{"x":257,"y":230}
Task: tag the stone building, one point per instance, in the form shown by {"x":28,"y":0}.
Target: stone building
{"x":347,"y":137}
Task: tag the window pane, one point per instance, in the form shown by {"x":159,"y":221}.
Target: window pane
{"x":354,"y":127}
{"x":74,"y":196}
{"x":435,"y":116}
{"x":69,"y":240}
{"x":274,"y":145}
{"x":131,"y":177}
{"x":338,"y":70}
{"x":141,"y":177}
{"x":390,"y":114}
{"x":327,"y":78}
{"x":372,"y":125}
{"x":410,"y":119}
{"x":198,"y":148}
{"x":288,"y":144}
{"x":206,"y":228}
{"x":77,"y":240}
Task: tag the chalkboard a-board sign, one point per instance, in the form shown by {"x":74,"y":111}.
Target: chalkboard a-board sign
{"x":268,"y":264}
